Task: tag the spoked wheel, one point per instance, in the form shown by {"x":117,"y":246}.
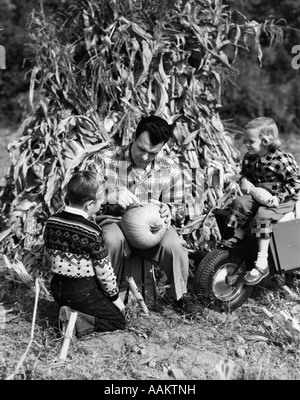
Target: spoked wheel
{"x":218,"y":281}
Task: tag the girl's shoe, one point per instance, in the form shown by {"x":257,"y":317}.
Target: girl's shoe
{"x":255,"y":279}
{"x":232,"y":243}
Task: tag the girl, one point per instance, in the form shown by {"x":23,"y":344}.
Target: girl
{"x":264,"y":165}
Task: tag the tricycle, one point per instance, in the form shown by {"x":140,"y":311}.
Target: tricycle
{"x":218,"y":275}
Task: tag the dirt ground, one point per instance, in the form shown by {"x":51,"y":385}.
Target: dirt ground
{"x":160,"y":346}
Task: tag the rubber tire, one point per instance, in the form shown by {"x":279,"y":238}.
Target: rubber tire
{"x":205,"y":272}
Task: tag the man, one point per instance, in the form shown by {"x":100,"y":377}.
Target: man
{"x":137,"y":173}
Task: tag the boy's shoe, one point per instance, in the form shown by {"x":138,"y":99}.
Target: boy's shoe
{"x":84,"y":324}
{"x":251,"y":280}
{"x":63,"y":319}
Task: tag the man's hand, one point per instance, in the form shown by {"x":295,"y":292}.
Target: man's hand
{"x":273,"y":202}
{"x":165,"y":212}
{"x":119,"y":303}
{"x":124,"y":198}
{"x":246,"y":186}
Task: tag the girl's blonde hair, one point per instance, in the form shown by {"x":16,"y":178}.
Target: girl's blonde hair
{"x":267,"y":130}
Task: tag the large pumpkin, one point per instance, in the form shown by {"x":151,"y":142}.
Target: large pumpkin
{"x":143,"y":226}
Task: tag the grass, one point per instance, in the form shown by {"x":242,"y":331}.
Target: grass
{"x":160,"y":346}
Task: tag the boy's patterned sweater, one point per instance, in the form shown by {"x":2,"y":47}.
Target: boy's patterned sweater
{"x":74,"y":247}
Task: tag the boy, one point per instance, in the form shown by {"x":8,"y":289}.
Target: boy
{"x":83,"y":279}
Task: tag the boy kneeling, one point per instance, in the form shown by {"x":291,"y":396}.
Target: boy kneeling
{"x":83,"y":279}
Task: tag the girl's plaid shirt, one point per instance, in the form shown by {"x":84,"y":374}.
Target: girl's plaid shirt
{"x":277,"y":171}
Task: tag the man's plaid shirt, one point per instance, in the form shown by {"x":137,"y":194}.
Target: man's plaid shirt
{"x":277,"y":172}
{"x":161,"y":180}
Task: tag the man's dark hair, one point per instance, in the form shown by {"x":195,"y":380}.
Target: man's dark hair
{"x":82,"y":187}
{"x":159,"y":130}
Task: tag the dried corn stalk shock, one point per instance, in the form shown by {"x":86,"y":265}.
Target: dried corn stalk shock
{"x":100,"y":67}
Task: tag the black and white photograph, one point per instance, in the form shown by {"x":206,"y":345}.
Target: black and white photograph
{"x":149,"y":193}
